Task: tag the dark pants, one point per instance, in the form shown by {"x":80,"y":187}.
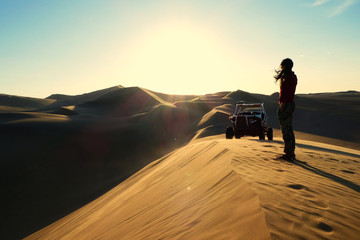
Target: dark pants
{"x":285,"y":118}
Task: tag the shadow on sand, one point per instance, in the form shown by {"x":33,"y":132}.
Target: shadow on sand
{"x":337,"y":179}
{"x":328,"y":150}
{"x":308,"y":167}
{"x":301,"y":145}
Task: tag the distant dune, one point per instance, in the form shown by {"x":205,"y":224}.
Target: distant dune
{"x":10,"y":103}
{"x":61,"y":153}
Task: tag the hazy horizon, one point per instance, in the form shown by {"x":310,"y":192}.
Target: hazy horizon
{"x":162,"y":92}
{"x":177,"y":47}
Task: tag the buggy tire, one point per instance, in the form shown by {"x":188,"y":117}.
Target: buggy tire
{"x":262,"y":134}
{"x":238,"y":134}
{"x":270,"y":134}
{"x":229,"y":133}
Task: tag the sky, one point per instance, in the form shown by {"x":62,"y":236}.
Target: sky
{"x":177,"y":46}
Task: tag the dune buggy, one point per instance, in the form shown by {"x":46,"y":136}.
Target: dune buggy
{"x":249,"y":120}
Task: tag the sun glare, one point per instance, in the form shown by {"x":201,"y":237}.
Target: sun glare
{"x":176,"y":57}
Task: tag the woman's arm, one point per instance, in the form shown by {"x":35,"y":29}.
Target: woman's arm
{"x":282,"y":104}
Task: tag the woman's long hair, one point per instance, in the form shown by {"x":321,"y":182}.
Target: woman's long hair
{"x":287,"y":65}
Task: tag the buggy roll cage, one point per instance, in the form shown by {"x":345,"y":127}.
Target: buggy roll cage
{"x":254,"y":109}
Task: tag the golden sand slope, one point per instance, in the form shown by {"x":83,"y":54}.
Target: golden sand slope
{"x":318,"y":197}
{"x":228,"y":189}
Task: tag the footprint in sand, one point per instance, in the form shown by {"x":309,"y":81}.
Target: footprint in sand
{"x":332,"y":159}
{"x":269,"y":146}
{"x":296,"y":186}
{"x":323,"y":226}
{"x":348,"y":171}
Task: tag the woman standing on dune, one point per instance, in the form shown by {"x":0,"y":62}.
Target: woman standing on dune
{"x":288,"y":82}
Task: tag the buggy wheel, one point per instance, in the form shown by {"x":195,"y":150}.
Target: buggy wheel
{"x":229,"y":133}
{"x":262,"y":134}
{"x":270,"y":134}
{"x":237,"y":134}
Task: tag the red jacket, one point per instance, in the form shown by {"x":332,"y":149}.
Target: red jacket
{"x":287,"y":88}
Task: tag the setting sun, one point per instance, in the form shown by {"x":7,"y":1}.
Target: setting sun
{"x":175,"y":55}
{"x":177,"y":47}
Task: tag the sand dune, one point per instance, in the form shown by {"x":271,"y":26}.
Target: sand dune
{"x":60,"y":153}
{"x":66,"y":100}
{"x":228,"y":189}
{"x":122,"y":102}
{"x":9,"y":103}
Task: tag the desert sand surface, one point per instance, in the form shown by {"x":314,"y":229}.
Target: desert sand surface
{"x":63,"y":152}
{"x":215,"y":188}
